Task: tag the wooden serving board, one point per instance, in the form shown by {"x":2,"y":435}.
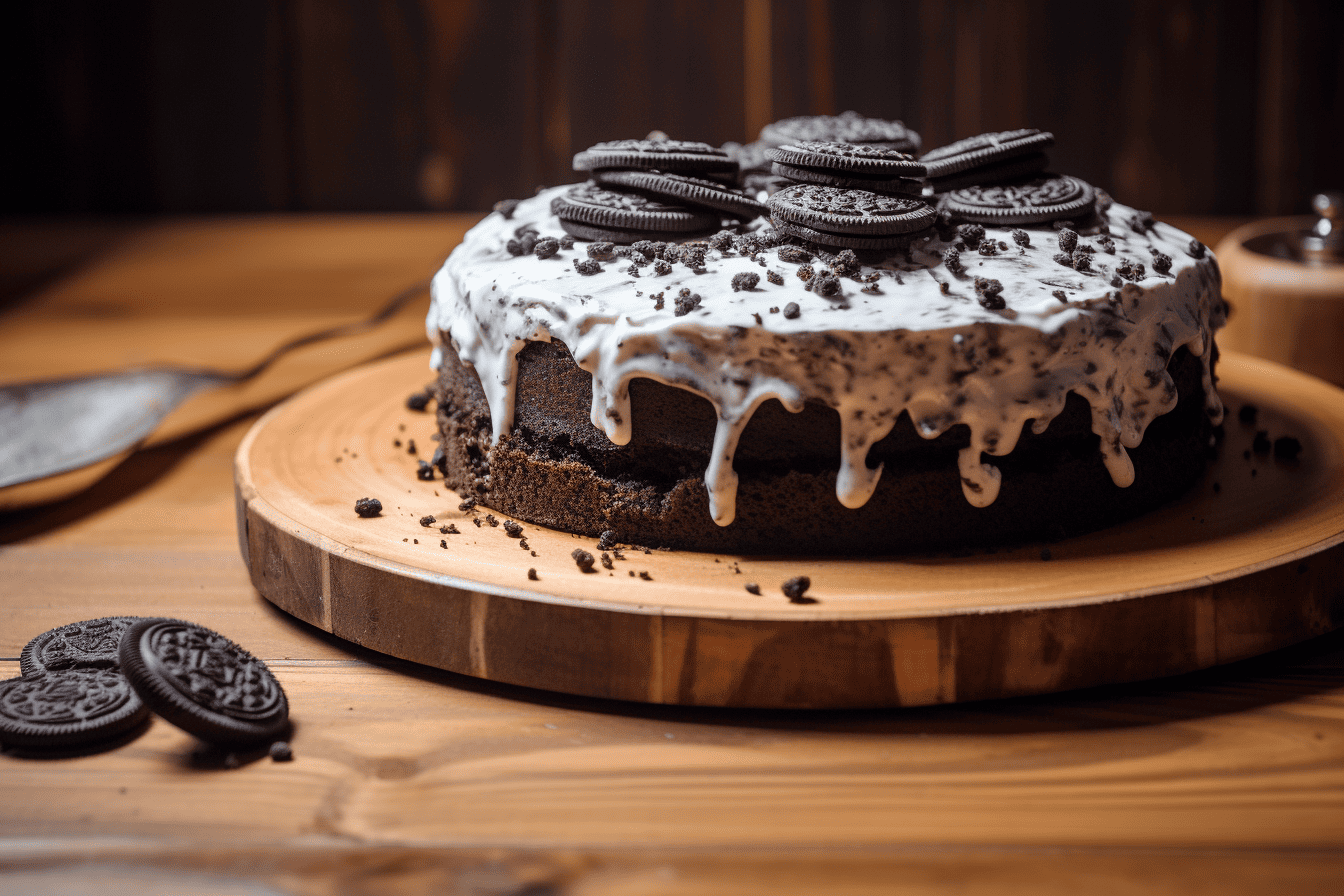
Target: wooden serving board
{"x":1250,"y":561}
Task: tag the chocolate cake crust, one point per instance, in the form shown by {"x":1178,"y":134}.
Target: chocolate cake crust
{"x":556,"y":469}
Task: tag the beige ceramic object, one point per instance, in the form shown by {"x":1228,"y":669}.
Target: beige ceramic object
{"x":1285,"y":307}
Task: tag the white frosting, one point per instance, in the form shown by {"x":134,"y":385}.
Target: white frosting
{"x":907,"y":347}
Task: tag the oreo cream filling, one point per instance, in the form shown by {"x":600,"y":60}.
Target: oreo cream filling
{"x":920,"y":341}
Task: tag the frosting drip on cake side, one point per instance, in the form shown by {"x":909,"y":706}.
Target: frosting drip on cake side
{"x":909,"y":346}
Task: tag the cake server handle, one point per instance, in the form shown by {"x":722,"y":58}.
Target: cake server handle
{"x":60,"y":436}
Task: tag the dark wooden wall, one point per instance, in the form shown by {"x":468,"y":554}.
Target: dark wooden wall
{"x":1196,"y":106}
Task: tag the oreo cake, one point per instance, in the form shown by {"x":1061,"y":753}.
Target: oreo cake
{"x":859,"y":372}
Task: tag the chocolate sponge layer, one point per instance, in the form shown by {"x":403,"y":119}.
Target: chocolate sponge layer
{"x":556,"y":469}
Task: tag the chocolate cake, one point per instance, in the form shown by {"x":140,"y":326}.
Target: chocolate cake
{"x":1000,"y":375}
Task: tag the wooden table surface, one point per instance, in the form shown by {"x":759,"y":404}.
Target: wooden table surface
{"x":406,"y":779}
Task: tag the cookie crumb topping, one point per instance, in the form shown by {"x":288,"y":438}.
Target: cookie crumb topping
{"x":971,"y":234}
{"x":795,"y":588}
{"x":687,"y":302}
{"x":583,"y":560}
{"x":745,"y":281}
{"x":988,"y":292}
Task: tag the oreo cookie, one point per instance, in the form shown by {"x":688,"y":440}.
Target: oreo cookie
{"x":682,"y":156}
{"x":89,"y":644}
{"x":996,"y":173}
{"x":904,"y":186}
{"x":851,"y":212}
{"x":593,"y":212}
{"x":72,"y":707}
{"x":614,"y":234}
{"x":984,"y":149}
{"x":847,"y":127}
{"x":204,"y":683}
{"x":840,"y":240}
{"x":1037,"y":201}
{"x":848,"y":158}
{"x":691,"y":191}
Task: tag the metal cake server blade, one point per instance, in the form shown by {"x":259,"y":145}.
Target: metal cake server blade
{"x":57,"y":437}
{"x":57,"y":426}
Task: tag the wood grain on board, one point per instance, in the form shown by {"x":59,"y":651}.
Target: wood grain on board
{"x":1249,"y":561}
{"x":410,"y":779}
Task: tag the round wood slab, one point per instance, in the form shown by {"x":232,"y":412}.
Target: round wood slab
{"x":1250,"y":561}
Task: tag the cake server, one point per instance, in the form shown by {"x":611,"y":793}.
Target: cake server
{"x":57,"y":437}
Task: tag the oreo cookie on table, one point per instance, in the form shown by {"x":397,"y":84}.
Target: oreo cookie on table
{"x":204,"y":683}
{"x":681,"y":156}
{"x":72,"y":692}
{"x":984,"y":150}
{"x":1036,"y":201}
{"x":679,"y":188}
{"x":72,"y":707}
{"x":92,"y":643}
{"x":593,"y":212}
{"x":853,"y":219}
{"x":847,"y":127}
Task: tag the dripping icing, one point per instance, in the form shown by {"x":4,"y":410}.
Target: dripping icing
{"x":897,"y":351}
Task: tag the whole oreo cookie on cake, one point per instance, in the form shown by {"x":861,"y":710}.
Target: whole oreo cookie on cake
{"x":847,"y":127}
{"x":863,"y":372}
{"x":853,"y":219}
{"x":987,"y":159}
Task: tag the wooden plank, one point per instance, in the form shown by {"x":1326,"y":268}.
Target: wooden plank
{"x":938,"y":75}
{"x":757,"y":68}
{"x":791,"y":59}
{"x":1241,"y":759}
{"x":490,"y":99}
{"x":321,"y":866}
{"x":219,"y":135}
{"x":298,"y":104}
{"x":675,"y":68}
{"x":358,"y":82}
{"x":1228,"y":780}
{"x":93,"y":73}
{"x":878,"y":53}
